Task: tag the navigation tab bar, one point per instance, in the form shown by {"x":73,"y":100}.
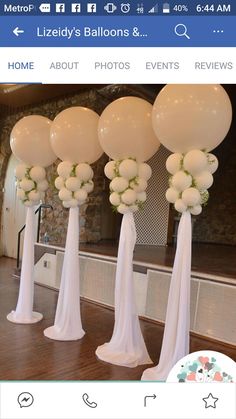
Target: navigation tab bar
{"x":119,"y":65}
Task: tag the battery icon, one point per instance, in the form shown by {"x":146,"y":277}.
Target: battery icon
{"x":166,"y":8}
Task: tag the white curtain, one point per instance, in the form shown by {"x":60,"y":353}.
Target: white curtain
{"x":67,"y":325}
{"x":127,"y":346}
{"x":175,"y":343}
{"x":24,"y":309}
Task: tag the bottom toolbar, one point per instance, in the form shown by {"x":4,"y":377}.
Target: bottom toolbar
{"x":102,"y":399}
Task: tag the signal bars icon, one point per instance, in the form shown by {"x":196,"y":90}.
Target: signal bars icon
{"x":154,"y":9}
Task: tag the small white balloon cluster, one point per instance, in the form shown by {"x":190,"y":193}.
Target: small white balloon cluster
{"x":31,"y":184}
{"x":191,"y":177}
{"x":128,"y":184}
{"x":74,"y":183}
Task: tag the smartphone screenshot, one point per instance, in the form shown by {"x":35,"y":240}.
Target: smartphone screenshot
{"x":118,"y":209}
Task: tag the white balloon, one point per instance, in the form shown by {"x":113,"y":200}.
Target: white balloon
{"x":172,"y":195}
{"x":66,"y":204}
{"x":195,"y":161}
{"x":191,"y":197}
{"x":29,"y":203}
{"x":88,"y":186}
{"x":180,"y":206}
{"x":174,"y":163}
{"x":73,"y":203}
{"x":81,"y":196}
{"x":73,"y":184}
{"x":123,"y":209}
{"x":181,"y":181}
{"x":204,"y":180}
{"x":74,"y":135}
{"x":30,"y":141}
{"x":42,"y":186}
{"x":213,"y":163}
{"x":20,"y":171}
{"x":64,"y":169}
{"x":37,"y":173}
{"x":84,"y":172}
{"x":196,"y":210}
{"x":128,"y":169}
{"x":129,"y":197}
{"x":139,"y":185}
{"x":27,"y":185}
{"x":125,"y":130}
{"x":141,"y":196}
{"x":34,"y":196}
{"x":110,"y":170}
{"x":65,"y":195}
{"x":59,"y":182}
{"x":119,"y":184}
{"x":191,"y":116}
{"x":144,"y":171}
{"x":114,"y":199}
{"x":21,"y":194}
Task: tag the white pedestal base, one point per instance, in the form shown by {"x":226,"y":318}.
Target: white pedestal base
{"x":175,"y":343}
{"x":24,"y":314}
{"x":55,"y":333}
{"x":14,"y":318}
{"x":109,"y":354}
{"x":67,"y":324}
{"x":150,"y":375}
{"x":126,"y":347}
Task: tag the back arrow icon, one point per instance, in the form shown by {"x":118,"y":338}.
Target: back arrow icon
{"x":17,"y":31}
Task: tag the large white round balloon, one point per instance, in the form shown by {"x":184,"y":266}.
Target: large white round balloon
{"x":30,"y":141}
{"x":192,"y":116}
{"x":125,"y":130}
{"x":74,"y":135}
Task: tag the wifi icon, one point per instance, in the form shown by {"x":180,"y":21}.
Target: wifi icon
{"x":154,"y":9}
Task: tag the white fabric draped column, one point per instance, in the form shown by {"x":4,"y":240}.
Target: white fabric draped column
{"x":67,"y":325}
{"x":175,"y":343}
{"x":127,"y":346}
{"x":24,"y":309}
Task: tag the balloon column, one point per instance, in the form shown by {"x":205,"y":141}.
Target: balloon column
{"x":190,"y":121}
{"x":30,"y":143}
{"x":126,"y":135}
{"x":74,"y":139}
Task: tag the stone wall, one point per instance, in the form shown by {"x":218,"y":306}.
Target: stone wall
{"x":217,"y":223}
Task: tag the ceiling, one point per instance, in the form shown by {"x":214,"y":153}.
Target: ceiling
{"x":14,"y":96}
{"x":18,"y":96}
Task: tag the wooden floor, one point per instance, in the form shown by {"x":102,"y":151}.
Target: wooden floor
{"x":26,"y":354}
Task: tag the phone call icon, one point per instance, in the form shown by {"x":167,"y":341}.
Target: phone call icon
{"x":85,"y":398}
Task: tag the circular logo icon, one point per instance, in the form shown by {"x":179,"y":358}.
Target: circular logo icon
{"x":204,"y":367}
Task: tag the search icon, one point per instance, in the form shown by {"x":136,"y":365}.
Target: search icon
{"x":181,"y":30}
